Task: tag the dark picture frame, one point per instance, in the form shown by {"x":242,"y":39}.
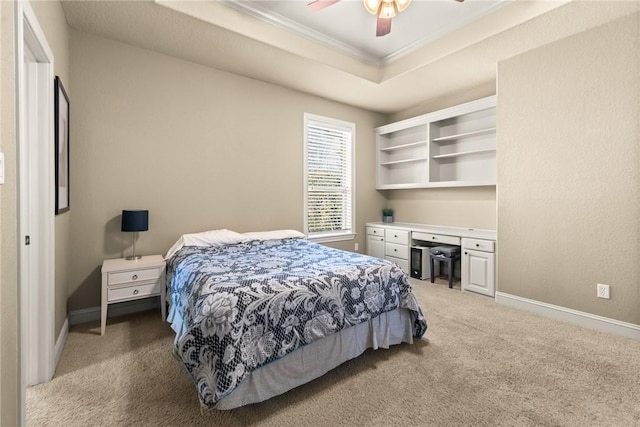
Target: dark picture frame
{"x":61,"y":112}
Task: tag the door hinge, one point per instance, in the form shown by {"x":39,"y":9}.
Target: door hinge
{"x":27,"y":240}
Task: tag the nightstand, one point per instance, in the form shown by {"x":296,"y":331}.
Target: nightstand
{"x":128,"y":280}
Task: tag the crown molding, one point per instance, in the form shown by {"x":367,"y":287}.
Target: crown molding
{"x":286,"y":24}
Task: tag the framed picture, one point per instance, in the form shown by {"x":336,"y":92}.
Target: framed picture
{"x":62,"y":147}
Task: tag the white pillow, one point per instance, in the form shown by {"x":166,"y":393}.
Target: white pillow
{"x":207,"y":238}
{"x":274,"y":235}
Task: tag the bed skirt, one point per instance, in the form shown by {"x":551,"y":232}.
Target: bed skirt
{"x":316,"y":359}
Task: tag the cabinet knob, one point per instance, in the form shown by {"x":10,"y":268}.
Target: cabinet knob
{"x":433,"y":237}
{"x":395,"y":250}
{"x":135,"y":292}
{"x":477,"y":245}
{"x":134,"y":277}
{"x":466,"y":253}
{"x":395,"y":235}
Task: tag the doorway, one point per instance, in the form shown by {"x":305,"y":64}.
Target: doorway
{"x":35,"y":150}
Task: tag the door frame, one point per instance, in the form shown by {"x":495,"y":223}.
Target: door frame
{"x":36,"y":283}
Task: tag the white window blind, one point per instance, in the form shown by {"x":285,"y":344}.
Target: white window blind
{"x":329,"y":178}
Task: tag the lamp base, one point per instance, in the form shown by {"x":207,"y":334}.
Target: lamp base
{"x":133,"y":257}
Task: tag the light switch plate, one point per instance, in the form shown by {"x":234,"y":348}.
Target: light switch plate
{"x":1,"y":168}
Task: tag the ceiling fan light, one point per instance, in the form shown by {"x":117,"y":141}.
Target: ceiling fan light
{"x":387,"y":9}
{"x":402,"y":4}
{"x":372,"y":6}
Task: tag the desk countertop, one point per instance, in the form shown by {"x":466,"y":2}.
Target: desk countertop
{"x":472,"y":233}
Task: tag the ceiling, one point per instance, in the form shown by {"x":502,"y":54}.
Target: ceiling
{"x":347,"y":26}
{"x":436,"y":47}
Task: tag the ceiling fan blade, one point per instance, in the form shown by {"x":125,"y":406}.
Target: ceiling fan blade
{"x":383,"y":27}
{"x":321,"y":4}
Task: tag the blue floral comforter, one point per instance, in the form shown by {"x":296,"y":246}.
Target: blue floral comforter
{"x":236,"y":308}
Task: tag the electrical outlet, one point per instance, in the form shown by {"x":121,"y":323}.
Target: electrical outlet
{"x":603,"y":291}
{"x":356,"y":247}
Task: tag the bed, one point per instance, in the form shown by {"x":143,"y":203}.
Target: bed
{"x":257,"y":314}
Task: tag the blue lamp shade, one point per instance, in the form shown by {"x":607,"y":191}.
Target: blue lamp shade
{"x":135,"y":220}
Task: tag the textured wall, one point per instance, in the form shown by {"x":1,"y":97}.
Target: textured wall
{"x":54,"y":25}
{"x":8,"y":225}
{"x":201,"y":149}
{"x":569,"y":171}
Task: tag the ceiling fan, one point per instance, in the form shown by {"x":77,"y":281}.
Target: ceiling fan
{"x":384,"y":9}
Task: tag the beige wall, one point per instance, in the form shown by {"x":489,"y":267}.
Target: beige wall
{"x":473,"y":207}
{"x":8,"y":226}
{"x":201,"y":149}
{"x":54,"y":25}
{"x":569,"y":171}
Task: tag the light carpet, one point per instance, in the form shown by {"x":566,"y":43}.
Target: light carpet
{"x":480,"y":364}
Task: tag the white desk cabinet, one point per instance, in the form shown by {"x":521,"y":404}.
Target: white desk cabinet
{"x":478,"y":266}
{"x":390,"y":244}
{"x":478,"y":249}
{"x":128,"y":280}
{"x":375,"y":242}
{"x":396,"y":247}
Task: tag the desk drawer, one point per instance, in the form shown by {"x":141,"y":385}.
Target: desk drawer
{"x":133,"y":292}
{"x":479,"y":245}
{"x":134,"y":275}
{"x":375,"y":231}
{"x":400,"y":237}
{"x":396,"y":251}
{"x":402,"y":263}
{"x":436,"y":238}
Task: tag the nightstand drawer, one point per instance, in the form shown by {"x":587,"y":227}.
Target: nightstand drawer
{"x":132,"y":292}
{"x":119,"y":277}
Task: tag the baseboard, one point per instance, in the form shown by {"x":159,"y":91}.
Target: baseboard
{"x":587,"y":320}
{"x":93,"y":313}
{"x":62,"y":339}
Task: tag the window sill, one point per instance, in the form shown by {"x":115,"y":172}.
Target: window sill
{"x":325,"y":238}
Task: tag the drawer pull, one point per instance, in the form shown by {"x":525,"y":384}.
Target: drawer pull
{"x":395,"y":250}
{"x":434,"y":238}
{"x":135,"y":292}
{"x":477,"y":245}
{"x":395,"y":235}
{"x":134,"y":277}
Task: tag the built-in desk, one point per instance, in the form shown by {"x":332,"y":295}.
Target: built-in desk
{"x":393,"y":241}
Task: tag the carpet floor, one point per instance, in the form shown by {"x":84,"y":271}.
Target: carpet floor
{"x":480,"y":364}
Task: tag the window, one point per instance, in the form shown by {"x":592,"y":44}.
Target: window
{"x":329,"y":178}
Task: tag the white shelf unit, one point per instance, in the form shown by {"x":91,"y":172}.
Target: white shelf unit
{"x":403,"y":156}
{"x":463,"y":147}
{"x":454,"y":147}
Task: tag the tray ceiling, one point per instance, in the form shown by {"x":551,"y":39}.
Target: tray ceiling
{"x":416,"y":64}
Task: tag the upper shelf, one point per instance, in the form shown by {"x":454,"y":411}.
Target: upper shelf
{"x":464,"y":153}
{"x":465,"y":135}
{"x":397,"y":162}
{"x":401,"y":146}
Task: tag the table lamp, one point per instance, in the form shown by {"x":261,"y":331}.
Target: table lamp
{"x":135,"y":221}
